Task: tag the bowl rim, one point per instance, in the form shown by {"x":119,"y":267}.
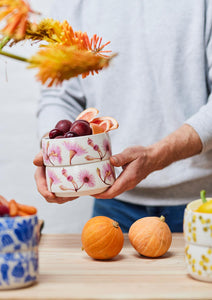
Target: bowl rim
{"x":76,"y":137}
{"x":196,"y":203}
{"x":18,"y":217}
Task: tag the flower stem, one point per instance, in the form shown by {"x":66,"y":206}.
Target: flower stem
{"x":4,"y":42}
{"x":13,"y":56}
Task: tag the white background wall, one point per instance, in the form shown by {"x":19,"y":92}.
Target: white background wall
{"x":19,"y":93}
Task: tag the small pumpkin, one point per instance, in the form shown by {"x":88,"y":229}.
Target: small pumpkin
{"x":102,"y":238}
{"x":150,"y":236}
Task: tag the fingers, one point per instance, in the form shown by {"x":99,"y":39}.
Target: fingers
{"x":123,"y":158}
{"x":129,"y":178}
{"x":126,"y":181}
{"x":116,"y":189}
{"x":40,"y":179}
{"x":132,"y":160}
{"x":38,"y":160}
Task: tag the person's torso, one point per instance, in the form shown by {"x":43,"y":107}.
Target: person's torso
{"x":157,"y":80}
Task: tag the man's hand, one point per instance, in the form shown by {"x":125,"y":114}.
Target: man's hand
{"x":40,"y":179}
{"x":138,"y":162}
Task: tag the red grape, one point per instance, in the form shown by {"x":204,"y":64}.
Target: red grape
{"x":55,"y":132}
{"x":64,"y":125}
{"x":84,"y":121}
{"x":81,"y":127}
{"x":59,"y":137}
{"x":70,"y":134}
{"x":4,"y":210}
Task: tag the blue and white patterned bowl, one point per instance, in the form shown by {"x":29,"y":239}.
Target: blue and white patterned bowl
{"x":19,"y":239}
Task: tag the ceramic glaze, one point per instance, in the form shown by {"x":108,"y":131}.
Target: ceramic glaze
{"x":76,"y":150}
{"x":19,"y":239}
{"x":198,"y":236}
{"x":80,"y":180}
{"x":78,"y":166}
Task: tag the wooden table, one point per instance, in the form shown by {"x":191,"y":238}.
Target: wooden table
{"x":66,"y":272}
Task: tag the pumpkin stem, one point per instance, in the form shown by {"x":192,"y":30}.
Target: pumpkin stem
{"x":115,"y":224}
{"x":162,"y":218}
{"x":82,"y":248}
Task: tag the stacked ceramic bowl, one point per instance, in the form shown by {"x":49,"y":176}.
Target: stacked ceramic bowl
{"x":19,"y":238}
{"x":79,"y":165}
{"x":198,"y":237}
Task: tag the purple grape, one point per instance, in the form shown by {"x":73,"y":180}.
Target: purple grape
{"x":81,"y":127}
{"x":59,"y":137}
{"x":55,"y":132}
{"x":64,"y":125}
{"x":83,"y":121}
{"x":70,"y":134}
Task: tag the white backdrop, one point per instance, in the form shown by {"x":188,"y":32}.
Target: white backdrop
{"x":19,"y":93}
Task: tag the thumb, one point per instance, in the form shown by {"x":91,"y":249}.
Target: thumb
{"x":38,"y":160}
{"x":121,"y":159}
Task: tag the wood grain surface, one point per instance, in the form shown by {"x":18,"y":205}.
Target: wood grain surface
{"x":66,"y":272}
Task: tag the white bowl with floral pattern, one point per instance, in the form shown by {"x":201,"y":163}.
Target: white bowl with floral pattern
{"x":80,"y":180}
{"x":78,"y":166}
{"x":197,"y":229}
{"x":76,"y":150}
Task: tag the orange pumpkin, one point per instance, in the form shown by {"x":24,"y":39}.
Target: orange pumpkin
{"x":150,"y":236}
{"x":102,"y":238}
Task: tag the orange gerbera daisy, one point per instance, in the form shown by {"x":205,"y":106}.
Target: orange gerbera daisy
{"x":59,"y":62}
{"x":15,"y":13}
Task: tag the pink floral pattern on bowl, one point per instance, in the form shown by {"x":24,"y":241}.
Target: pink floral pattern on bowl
{"x":75,"y":151}
{"x":79,"y":180}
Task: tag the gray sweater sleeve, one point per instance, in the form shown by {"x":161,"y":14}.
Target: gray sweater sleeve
{"x":202,"y":120}
{"x":60,"y":103}
{"x":66,"y":101}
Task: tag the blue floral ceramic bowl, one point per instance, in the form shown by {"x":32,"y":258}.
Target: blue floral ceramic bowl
{"x":19,"y":239}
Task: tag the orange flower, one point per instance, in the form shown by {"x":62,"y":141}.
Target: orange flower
{"x":94,"y":44}
{"x":59,"y":62}
{"x":48,"y":30}
{"x":15,"y":13}
{"x":67,"y":54}
{"x":54,"y":31}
